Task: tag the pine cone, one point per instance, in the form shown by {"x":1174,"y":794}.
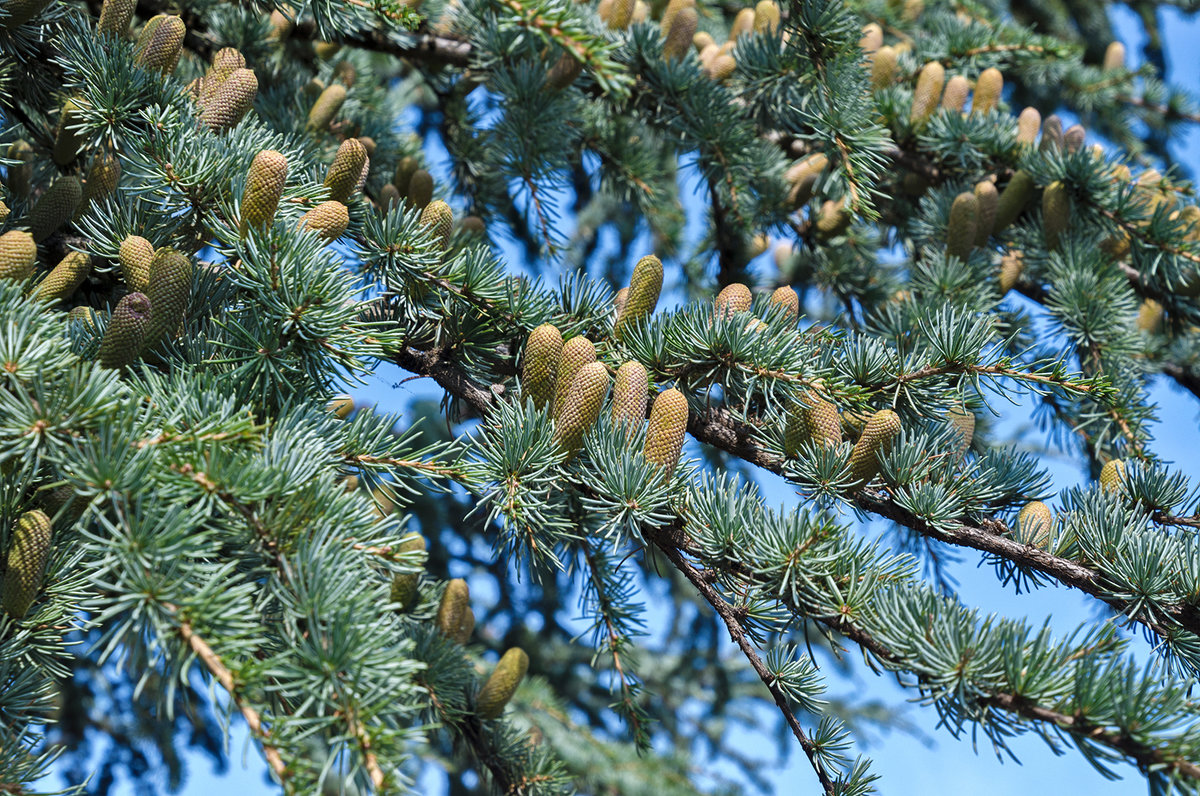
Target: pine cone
{"x":876,"y":441}
{"x":1034,"y":524}
{"x":883,"y":67}
{"x":115,"y":16}
{"x":577,"y":352}
{"x":872,"y":38}
{"x":27,"y":557}
{"x":224,"y":63}
{"x":452,"y":610}
{"x":766,"y":17}
{"x":989,"y":200}
{"x":103,"y":177}
{"x":802,"y":176}
{"x":580,"y":408}
{"x":55,"y":207}
{"x":325,"y":108}
{"x":679,"y":36}
{"x":814,"y":419}
{"x":501,"y":686}
{"x":20,"y":175}
{"x":988,"y":89}
{"x":1150,"y":316}
{"x":731,"y":300}
{"x":644,"y":288}
{"x":160,"y":44}
{"x":1052,"y":134}
{"x":1056,"y":213}
{"x":264,"y":186}
{"x":328,"y":219}
{"x":65,"y":278}
{"x":1029,"y":123}
{"x":406,"y":586}
{"x":543,"y":348}
{"x":1013,"y":199}
{"x":963,"y":421}
{"x":231,"y":101}
{"x":405,"y":170}
{"x":962,"y":226}
{"x":833,"y":219}
{"x":126,"y":334}
{"x":1074,"y":138}
{"x":1012,"y":265}
{"x":666,"y":430}
{"x":389,"y":197}
{"x":135,"y":256}
{"x":629,"y":394}
{"x":928,"y":92}
{"x":1114,"y":57}
{"x":420,"y":189}
{"x":1112,"y":474}
{"x":169,"y":288}
{"x":67,"y":140}
{"x":440,"y":219}
{"x":342,"y":177}
{"x":787,"y":298}
{"x":954,"y":98}
{"x":620,"y":14}
{"x":18,"y":254}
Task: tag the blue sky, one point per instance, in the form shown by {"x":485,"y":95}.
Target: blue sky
{"x":907,"y":765}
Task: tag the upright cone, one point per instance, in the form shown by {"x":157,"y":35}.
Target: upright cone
{"x":644,"y":288}
{"x":577,"y":352}
{"x":630,"y":391}
{"x":28,"y":552}
{"x":580,"y":409}
{"x":927,"y":94}
{"x":135,"y":256}
{"x":501,"y":686}
{"x":115,"y":16}
{"x":231,"y":102}
{"x":1035,"y":524}
{"x":55,"y":207}
{"x":326,"y":107}
{"x":875,"y":442}
{"x":789,"y":300}
{"x":543,"y":348}
{"x":65,"y":278}
{"x":731,"y":300}
{"x":439,"y":218}
{"x":342,"y":177}
{"x":160,"y":45}
{"x":264,"y":186}
{"x":987,"y":91}
{"x":452,"y":614}
{"x":963,"y":226}
{"x":811,"y":419}
{"x":126,"y":333}
{"x":18,"y":254}
{"x":1056,"y":213}
{"x":1112,"y":474}
{"x":328,"y":219}
{"x":169,"y":288}
{"x":1013,"y":199}
{"x":666,"y":430}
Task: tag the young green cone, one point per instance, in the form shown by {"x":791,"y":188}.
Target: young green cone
{"x":126,"y":333}
{"x":325,"y":108}
{"x":577,"y":352}
{"x":1056,"y":213}
{"x":731,"y":300}
{"x":787,"y":298}
{"x":135,"y":256}
{"x":1028,"y":125}
{"x":438,"y":217}
{"x":1052,"y":134}
{"x":989,"y":201}
{"x":28,"y":553}
{"x":543,"y":348}
{"x":802,"y":176}
{"x":954,"y":98}
{"x":169,"y":288}
{"x":1150,"y":316}
{"x":420,"y":189}
{"x":812,"y":418}
{"x":160,"y":45}
{"x":55,"y":207}
{"x":928,"y":92}
{"x":580,"y":409}
{"x":342,"y":177}
{"x":65,"y":278}
{"x":115,"y":16}
{"x":988,"y":88}
{"x":18,"y":253}
{"x":264,"y":186}
{"x":328,"y":219}
{"x":644,"y":288}
{"x":224,"y":63}
{"x":630,"y":390}
{"x":883,"y":67}
{"x":405,"y":170}
{"x":963,"y":422}
{"x":501,"y":686}
{"x":666,"y":430}
{"x":1034,"y":524}
{"x":962,"y":226}
{"x":875,"y":442}
{"x":406,"y":586}
{"x":1013,"y":199}
{"x":1112,"y":474}
{"x":1012,"y":265}
{"x":104,"y":175}
{"x":1114,"y":56}
{"x":766,"y":16}
{"x":231,"y":101}
{"x":679,"y":36}
{"x":20,"y":174}
{"x":452,"y":614}
{"x":833,"y":219}
{"x":67,"y":140}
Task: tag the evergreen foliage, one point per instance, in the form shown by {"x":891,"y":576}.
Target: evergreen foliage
{"x":212,"y":224}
